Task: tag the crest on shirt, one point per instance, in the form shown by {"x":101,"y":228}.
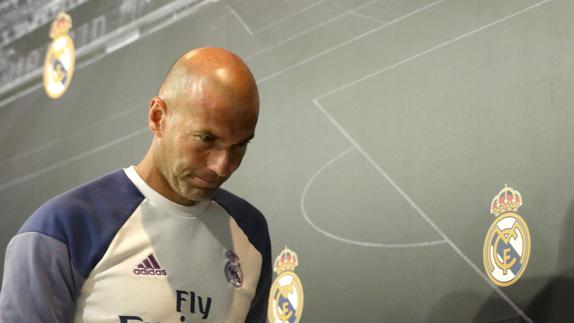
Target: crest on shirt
{"x":60,"y":58}
{"x":507,"y":244}
{"x":286,"y":297}
{"x":233,"y":270}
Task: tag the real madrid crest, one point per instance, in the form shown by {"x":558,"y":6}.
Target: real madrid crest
{"x":60,"y":59}
{"x":286,"y":297}
{"x":233,"y":270}
{"x":507,"y":245}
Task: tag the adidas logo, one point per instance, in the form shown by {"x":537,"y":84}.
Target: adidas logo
{"x":149,"y":267}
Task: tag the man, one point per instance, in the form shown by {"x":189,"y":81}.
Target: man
{"x":158,"y":242}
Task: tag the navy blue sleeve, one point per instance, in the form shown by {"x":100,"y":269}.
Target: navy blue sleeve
{"x":258,"y":311}
{"x":39,"y":284}
{"x":58,"y":246}
{"x":253,"y":223}
{"x":87,"y":218}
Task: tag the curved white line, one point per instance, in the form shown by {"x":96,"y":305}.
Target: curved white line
{"x":345,"y":240}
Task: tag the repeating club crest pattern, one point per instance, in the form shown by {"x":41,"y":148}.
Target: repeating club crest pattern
{"x":507,"y":244}
{"x":286,"y":297}
{"x":60,"y":58}
{"x":233,"y":270}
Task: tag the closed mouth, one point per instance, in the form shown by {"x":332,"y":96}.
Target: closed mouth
{"x":206,"y":184}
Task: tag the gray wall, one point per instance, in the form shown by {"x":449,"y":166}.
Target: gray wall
{"x":387,"y":127}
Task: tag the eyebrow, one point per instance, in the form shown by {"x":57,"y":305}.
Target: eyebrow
{"x":247,"y":140}
{"x":209,"y":133}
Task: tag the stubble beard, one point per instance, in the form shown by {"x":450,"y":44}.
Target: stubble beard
{"x":182,"y":186}
{"x":177,"y":184}
{"x":180,"y":183}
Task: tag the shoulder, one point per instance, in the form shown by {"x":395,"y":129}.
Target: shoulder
{"x":248,"y":217}
{"x":109,"y":195}
{"x":87,"y":217}
{"x":239,"y":208}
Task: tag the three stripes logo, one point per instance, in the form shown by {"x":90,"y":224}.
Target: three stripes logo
{"x":149,"y":267}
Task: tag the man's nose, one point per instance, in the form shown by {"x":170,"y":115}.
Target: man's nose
{"x":220,"y":163}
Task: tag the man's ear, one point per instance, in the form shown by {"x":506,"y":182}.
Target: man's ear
{"x":157,"y":116}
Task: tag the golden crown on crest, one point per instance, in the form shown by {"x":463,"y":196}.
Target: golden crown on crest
{"x":507,"y":200}
{"x":287,"y":260}
{"x":61,"y":25}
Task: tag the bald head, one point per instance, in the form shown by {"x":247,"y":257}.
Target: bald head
{"x":205,"y":72}
{"x":202,"y":120}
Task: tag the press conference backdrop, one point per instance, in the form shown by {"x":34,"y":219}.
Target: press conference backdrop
{"x":387,"y":127}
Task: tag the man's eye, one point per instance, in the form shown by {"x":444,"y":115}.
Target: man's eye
{"x":206,"y":138}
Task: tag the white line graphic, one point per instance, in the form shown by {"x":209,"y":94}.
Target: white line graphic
{"x":350,"y":241}
{"x":354,"y":13}
{"x":280,"y":20}
{"x":393,"y":183}
{"x":240,"y":20}
{"x":94,"y":150}
{"x":324,"y":23}
{"x":363,"y":35}
{"x":421,"y":212}
{"x":70,"y":135}
{"x":434,"y":48}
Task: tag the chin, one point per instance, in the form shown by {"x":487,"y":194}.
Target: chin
{"x":198,"y":195}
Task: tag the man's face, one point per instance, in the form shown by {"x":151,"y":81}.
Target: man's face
{"x":204,"y":142}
